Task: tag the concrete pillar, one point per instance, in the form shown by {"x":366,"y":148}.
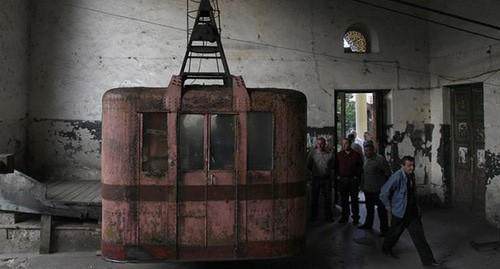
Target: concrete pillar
{"x":361,"y":113}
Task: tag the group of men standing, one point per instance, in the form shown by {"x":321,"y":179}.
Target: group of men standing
{"x":394,"y":195}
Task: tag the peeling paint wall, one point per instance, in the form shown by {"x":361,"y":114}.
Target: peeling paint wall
{"x":13,"y":78}
{"x":74,"y":147}
{"x":415,"y":141}
{"x":492,"y":133}
{"x":462,"y":58}
{"x":410,"y":133}
{"x":441,"y":156}
{"x":80,"y":49}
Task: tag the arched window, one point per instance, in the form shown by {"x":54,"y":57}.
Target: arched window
{"x":355,"y":41}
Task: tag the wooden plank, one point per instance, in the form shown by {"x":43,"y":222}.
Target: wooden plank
{"x":87,"y":190}
{"x":84,"y":191}
{"x":97,"y":199}
{"x":69,"y":189}
{"x":55,"y":187}
{"x":95,"y":192}
{"x":60,"y":188}
{"x":21,"y":193}
{"x":45,"y":234}
{"x":82,"y":188}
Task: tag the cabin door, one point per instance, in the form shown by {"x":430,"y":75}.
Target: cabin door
{"x":206,"y":186}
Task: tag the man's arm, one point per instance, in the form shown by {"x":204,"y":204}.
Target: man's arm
{"x":386,"y":196}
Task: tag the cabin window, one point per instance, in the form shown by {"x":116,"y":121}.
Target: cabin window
{"x":154,"y":142}
{"x":222,"y":142}
{"x":191,"y":151}
{"x":260,"y":141}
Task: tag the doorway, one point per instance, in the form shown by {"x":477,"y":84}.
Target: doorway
{"x":469,"y":184}
{"x":361,"y":111}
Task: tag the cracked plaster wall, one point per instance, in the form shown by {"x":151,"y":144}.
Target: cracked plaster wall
{"x":461,"y":58}
{"x":410,"y":133}
{"x":13,"y":79}
{"x":80,"y":49}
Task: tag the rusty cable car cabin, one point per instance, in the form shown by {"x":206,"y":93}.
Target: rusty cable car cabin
{"x":203,"y":172}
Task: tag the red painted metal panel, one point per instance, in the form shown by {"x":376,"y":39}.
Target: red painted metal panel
{"x":202,"y":215}
{"x":119,"y":222}
{"x":221,"y":222}
{"x":282,"y":154}
{"x":192,"y":229}
{"x":120,"y":150}
{"x":153,"y":224}
{"x":259,"y":220}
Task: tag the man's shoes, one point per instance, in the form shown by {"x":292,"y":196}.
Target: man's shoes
{"x":342,"y":220}
{"x":355,"y":222}
{"x":388,"y":252}
{"x":364,"y":227}
{"x":381,"y":235}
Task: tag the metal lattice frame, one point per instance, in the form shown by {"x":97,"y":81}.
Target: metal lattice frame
{"x":204,"y":58}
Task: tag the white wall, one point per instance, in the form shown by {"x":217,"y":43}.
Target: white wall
{"x":460,"y":58}
{"x":13,"y":79}
{"x":80,"y":49}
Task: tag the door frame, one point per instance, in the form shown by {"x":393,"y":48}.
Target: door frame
{"x":379,"y":133}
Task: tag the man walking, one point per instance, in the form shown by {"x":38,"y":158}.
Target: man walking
{"x":320,"y":165}
{"x":376,"y":171}
{"x":399,"y":197}
{"x":349,"y":167}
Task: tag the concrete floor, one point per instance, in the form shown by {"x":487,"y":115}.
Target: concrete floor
{"x":329,"y":245}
